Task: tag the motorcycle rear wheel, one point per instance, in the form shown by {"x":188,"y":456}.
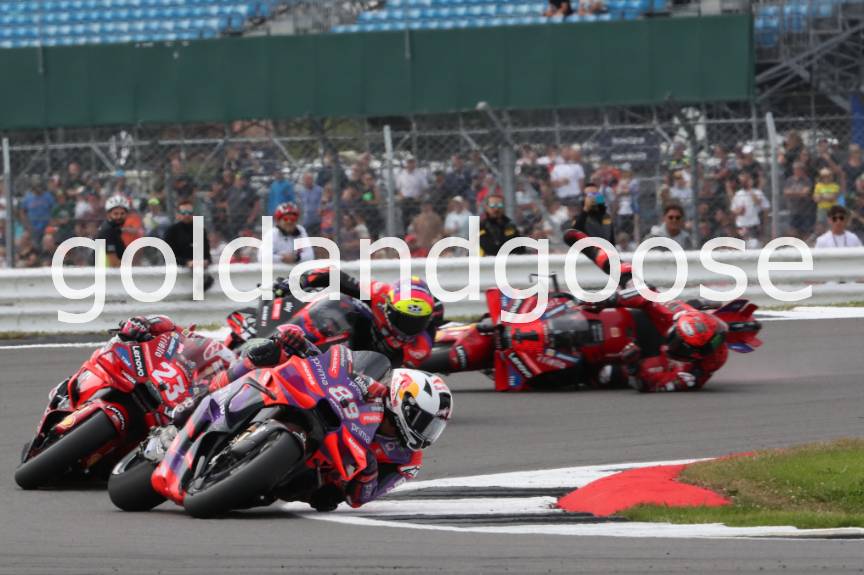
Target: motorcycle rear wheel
{"x":131,"y":490}
{"x":233,"y":484}
{"x":49,"y":465}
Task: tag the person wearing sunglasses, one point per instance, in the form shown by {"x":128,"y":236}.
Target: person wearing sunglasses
{"x":838,"y":236}
{"x":673,"y":227}
{"x":180,"y":239}
{"x":285,"y":231}
{"x":496,"y":228}
{"x":594,"y":219}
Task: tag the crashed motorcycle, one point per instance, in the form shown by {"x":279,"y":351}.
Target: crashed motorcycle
{"x":108,"y":406}
{"x":271,"y":434}
{"x":567,"y":344}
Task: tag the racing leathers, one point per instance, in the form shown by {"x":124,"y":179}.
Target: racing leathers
{"x":388,"y":463}
{"x":409,"y":351}
{"x":660,"y":372}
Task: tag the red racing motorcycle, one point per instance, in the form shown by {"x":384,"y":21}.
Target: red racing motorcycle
{"x":108,"y":406}
{"x":271,"y":434}
{"x":567,"y":345}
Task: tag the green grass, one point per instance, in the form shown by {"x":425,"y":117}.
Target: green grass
{"x":818,"y":485}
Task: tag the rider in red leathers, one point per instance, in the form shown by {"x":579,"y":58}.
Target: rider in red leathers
{"x":692,"y":346}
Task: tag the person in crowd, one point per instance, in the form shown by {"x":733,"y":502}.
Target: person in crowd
{"x":837,"y":235}
{"x":285,"y":231}
{"x":281,"y":190}
{"x":853,"y":168}
{"x":180,"y":238}
{"x":747,"y":164}
{"x":825,"y":158}
{"x":309,"y":195}
{"x":36,"y":208}
{"x":748,"y":204}
{"x":673,"y":227}
{"x":799,"y":201}
{"x":327,"y":171}
{"x":156,"y":221}
{"x":595,"y":220}
{"x":457,"y":220}
{"x":62,"y":224}
{"x":826,"y":194}
{"x":626,"y":202}
{"x":550,"y":158}
{"x":680,"y":193}
{"x":678,"y":161}
{"x":790,"y":152}
{"x":328,"y":212}
{"x":568,"y":177}
{"x":458,"y":180}
{"x":558,"y":8}
{"x":117,"y":210}
{"x":369,"y":203}
{"x":411,"y":186}
{"x":855,"y":205}
{"x":496,"y":228}
{"x":438,"y":192}
{"x":489,"y":187}
{"x":427,"y":227}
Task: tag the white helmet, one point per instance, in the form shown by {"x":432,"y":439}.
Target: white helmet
{"x":117,"y":201}
{"x":421,"y":405}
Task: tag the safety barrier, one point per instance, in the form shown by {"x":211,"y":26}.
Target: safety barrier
{"x":29,"y":301}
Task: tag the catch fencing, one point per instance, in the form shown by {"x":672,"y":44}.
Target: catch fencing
{"x":641,"y":159}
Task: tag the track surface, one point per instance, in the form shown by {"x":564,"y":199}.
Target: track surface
{"x":805,"y":384}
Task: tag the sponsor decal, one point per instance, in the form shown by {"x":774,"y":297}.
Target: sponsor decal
{"x":614,"y":331}
{"x":461,"y":356}
{"x":123,"y":354}
{"x":353,"y":445}
{"x":116,"y":415}
{"x":360,"y":432}
{"x":128,"y":377}
{"x":417,"y":353}
{"x":335,"y":361}
{"x":265,"y":315}
{"x":551,"y":362}
{"x":360,"y":384}
{"x":567,"y":357}
{"x":554,"y":311}
{"x":374,"y":418}
{"x":288,"y":307}
{"x":138,"y":360}
{"x":172,"y":346}
{"x":520,"y":366}
{"x":319,"y":369}
{"x":277,"y":303}
{"x":161,"y":346}
{"x":67,"y":422}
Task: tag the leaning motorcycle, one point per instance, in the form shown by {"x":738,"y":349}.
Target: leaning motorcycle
{"x":108,"y":406}
{"x":567,"y":343}
{"x":269,"y":435}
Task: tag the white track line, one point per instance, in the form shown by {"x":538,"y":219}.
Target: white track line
{"x":376,"y":514}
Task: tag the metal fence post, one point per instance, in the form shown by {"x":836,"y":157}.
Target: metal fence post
{"x":507,"y":167}
{"x":775,"y":176}
{"x":390,"y":182}
{"x":10,"y":207}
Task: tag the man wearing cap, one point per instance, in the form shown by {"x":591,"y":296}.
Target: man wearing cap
{"x":281,"y":191}
{"x":838,"y":236}
{"x":568,"y":177}
{"x":111,"y":230}
{"x":748,"y":165}
{"x":747,"y":205}
{"x":457,"y":219}
{"x":496,"y":228}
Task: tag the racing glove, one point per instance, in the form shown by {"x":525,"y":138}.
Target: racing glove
{"x":135,"y":329}
{"x":362,"y":487}
{"x":292,"y":339}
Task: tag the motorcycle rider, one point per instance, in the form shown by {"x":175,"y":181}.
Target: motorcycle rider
{"x":403,"y":324}
{"x":416,"y":405}
{"x":688,"y":345}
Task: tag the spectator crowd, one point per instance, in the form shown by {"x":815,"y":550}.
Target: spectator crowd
{"x":822,"y":201}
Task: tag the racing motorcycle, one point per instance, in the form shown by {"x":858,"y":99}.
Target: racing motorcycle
{"x":108,"y":406}
{"x":567,"y":343}
{"x":271,"y":434}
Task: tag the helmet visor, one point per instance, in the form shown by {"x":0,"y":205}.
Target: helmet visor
{"x":425,"y":427}
{"x":680,"y":348}
{"x":406,"y":324}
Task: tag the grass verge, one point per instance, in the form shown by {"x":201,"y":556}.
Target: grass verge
{"x":818,"y":485}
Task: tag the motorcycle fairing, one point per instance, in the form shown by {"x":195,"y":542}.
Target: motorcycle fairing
{"x":743,"y":328}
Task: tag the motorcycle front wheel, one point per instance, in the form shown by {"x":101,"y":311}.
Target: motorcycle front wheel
{"x":231,"y":482}
{"x":129,"y":485}
{"x":51,"y":464}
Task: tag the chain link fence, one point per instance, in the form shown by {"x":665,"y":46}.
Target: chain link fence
{"x":420,"y":178}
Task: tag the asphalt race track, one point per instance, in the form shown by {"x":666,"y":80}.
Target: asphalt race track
{"x":805,"y":384}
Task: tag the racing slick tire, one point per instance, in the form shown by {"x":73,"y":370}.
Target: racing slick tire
{"x":130,"y":488}
{"x":47,"y":466}
{"x":236,"y":482}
